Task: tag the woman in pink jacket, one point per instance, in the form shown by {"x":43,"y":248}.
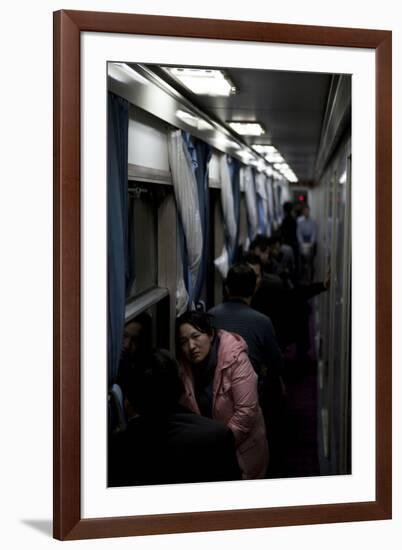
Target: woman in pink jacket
{"x":221,"y":383}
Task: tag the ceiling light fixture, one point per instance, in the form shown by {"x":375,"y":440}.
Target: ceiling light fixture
{"x":274,"y":158}
{"x":246,"y":155}
{"x":286,"y":171}
{"x":260,"y":148}
{"x":203,"y":81}
{"x":247,"y":128}
{"x":270,"y":152}
{"x":194,"y":121}
{"x":264,"y":149}
{"x":222,"y":141}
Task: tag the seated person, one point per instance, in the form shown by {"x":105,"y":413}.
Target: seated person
{"x":136,"y":338}
{"x":163,"y":441}
{"x":220,"y":383}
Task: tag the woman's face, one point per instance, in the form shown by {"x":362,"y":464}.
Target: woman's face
{"x":194,"y":344}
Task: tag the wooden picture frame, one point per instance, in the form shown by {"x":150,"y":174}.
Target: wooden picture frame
{"x":68,"y":25}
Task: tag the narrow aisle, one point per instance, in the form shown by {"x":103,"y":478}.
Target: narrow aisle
{"x":300,"y":441}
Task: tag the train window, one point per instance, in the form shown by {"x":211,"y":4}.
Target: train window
{"x":143,"y":242}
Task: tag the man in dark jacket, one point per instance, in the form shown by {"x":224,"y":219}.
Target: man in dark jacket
{"x":288,"y":232}
{"x":236,"y":315}
{"x":163,"y":442}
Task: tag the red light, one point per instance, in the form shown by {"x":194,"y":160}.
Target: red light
{"x":301,"y":198}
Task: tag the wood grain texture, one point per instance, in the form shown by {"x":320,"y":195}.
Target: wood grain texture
{"x":384,"y":274}
{"x":67,"y":481}
{"x":66,"y":499}
{"x":188,"y":27}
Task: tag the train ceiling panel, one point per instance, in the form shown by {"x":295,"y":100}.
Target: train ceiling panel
{"x":294,"y":109}
{"x":289,"y":105}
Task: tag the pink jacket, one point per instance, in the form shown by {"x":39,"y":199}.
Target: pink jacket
{"x":235,"y":403}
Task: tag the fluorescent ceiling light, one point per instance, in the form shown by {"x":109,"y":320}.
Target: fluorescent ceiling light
{"x":275,"y":157}
{"x":262,"y":149}
{"x":203,"y":81}
{"x":270,"y":152}
{"x":258,"y":163}
{"x":194,"y":121}
{"x":123,"y":73}
{"x":222,"y":141}
{"x":286,"y":171}
{"x":246,"y":155}
{"x":247,"y":128}
{"x":290,"y":176}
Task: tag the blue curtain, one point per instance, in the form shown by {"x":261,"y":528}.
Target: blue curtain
{"x":117,"y":202}
{"x":200,"y":154}
{"x":234,"y":171}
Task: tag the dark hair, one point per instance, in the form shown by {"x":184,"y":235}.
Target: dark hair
{"x":288,"y":207}
{"x":241,"y":280}
{"x":277,"y":236}
{"x":198,"y":319}
{"x":252,"y":259}
{"x":152,"y":383}
{"x":261,"y":242}
{"x":145,"y":320}
{"x":274,"y":240}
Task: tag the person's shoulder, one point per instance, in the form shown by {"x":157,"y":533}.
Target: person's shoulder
{"x":260,"y":321}
{"x":231,"y":344}
{"x":217,"y":309}
{"x":199,"y":425}
{"x":260,"y":317}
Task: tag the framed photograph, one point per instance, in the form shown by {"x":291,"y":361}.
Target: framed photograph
{"x":312,"y":99}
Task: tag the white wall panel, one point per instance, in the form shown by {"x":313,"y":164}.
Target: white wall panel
{"x":147,"y":144}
